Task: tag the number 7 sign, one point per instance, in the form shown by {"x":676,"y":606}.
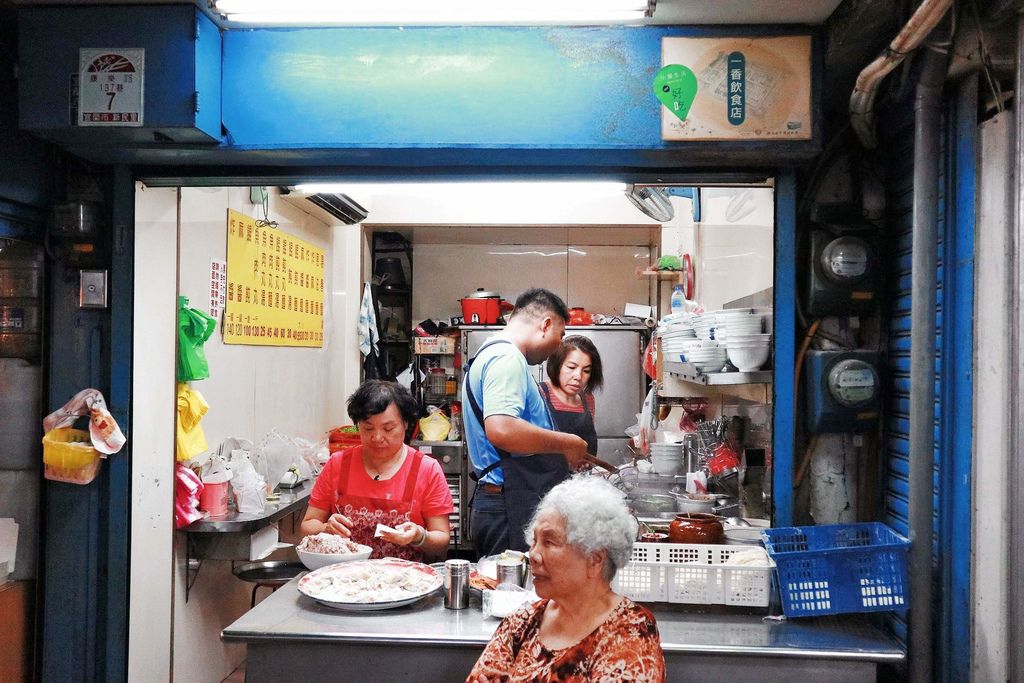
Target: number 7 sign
{"x":110,"y":86}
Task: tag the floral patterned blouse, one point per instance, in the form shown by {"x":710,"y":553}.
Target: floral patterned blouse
{"x":626,"y":647}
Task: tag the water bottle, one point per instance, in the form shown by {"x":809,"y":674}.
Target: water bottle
{"x":678,"y":301}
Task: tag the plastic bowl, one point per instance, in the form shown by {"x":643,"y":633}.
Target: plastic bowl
{"x":317,"y":560}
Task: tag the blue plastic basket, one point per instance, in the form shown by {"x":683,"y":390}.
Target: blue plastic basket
{"x":839,"y":568}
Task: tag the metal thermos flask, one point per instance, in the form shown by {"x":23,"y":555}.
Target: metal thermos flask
{"x":456,"y":584}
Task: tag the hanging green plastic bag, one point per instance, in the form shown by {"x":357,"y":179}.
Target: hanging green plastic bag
{"x":194,"y":328}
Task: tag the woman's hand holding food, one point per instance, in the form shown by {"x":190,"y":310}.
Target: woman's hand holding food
{"x":338,"y":524}
{"x":405,"y":533}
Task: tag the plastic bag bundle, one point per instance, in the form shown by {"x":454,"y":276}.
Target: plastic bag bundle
{"x":249,"y":488}
{"x":194,"y":328}
{"x":187,"y":489}
{"x":435,"y":426}
{"x":275,"y":454}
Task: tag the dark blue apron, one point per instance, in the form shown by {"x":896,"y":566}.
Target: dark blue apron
{"x":527,"y":478}
{"x":570,"y":422}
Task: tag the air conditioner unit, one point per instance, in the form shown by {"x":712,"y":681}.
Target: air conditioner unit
{"x":329,"y":208}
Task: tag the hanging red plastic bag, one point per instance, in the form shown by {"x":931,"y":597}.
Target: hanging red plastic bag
{"x":187,"y":487}
{"x":651,"y":358}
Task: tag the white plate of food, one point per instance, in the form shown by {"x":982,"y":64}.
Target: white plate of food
{"x":321,"y":550}
{"x":370,"y":584}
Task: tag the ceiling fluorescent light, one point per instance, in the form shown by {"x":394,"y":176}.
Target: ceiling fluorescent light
{"x":436,"y":189}
{"x":447,"y":12}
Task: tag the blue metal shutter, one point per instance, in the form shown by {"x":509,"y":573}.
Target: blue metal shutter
{"x":954,"y":352}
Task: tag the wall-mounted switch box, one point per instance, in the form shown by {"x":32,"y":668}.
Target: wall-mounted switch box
{"x":92,"y":289}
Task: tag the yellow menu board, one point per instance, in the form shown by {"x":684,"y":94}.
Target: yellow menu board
{"x":275,"y":291}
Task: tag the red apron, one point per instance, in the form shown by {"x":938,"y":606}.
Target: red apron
{"x":366,"y":513}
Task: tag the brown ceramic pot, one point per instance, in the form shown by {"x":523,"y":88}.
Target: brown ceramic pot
{"x":695,"y":527}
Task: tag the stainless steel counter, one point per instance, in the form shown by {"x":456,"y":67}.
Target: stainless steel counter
{"x":290,"y":500}
{"x":290,"y":637}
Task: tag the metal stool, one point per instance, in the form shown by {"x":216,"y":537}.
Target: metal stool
{"x":273,"y":574}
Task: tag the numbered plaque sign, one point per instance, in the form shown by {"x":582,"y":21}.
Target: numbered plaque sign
{"x":743,"y":88}
{"x":275,"y":287}
{"x":110,"y":86}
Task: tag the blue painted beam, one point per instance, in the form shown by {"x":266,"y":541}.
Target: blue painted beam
{"x":784,"y":408}
{"x":957,"y":386}
{"x":387,"y":97}
{"x":474,"y":87}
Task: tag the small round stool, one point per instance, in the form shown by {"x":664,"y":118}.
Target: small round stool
{"x":273,"y":574}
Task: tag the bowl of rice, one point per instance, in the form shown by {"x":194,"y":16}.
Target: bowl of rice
{"x":323,"y":549}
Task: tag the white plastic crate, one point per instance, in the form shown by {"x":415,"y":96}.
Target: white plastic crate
{"x":643,"y":579}
{"x":693,"y":574}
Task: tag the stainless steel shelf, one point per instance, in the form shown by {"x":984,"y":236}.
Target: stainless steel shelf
{"x":689,"y":373}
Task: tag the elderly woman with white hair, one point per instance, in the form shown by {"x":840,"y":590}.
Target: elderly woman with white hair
{"x":580,"y":630}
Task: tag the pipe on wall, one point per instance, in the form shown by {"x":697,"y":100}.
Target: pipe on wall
{"x":862,"y":100}
{"x":923,"y":285}
{"x":1015,"y":446}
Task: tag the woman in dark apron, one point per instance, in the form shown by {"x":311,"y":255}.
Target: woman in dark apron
{"x":574,"y":373}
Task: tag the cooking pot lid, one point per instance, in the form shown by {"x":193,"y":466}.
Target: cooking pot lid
{"x":481,"y":294}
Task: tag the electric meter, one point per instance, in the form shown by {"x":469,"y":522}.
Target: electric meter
{"x":843,"y":276}
{"x":845,"y":260}
{"x":852,"y":382}
{"x":843,"y":391}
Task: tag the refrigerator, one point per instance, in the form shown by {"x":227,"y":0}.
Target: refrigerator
{"x":625,"y":384}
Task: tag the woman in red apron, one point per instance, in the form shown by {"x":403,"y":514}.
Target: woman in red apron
{"x":574,"y":373}
{"x":383,"y":481}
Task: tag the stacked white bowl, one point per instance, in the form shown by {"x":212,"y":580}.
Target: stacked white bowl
{"x":707,"y":354}
{"x":732,"y":321}
{"x":667,"y":458}
{"x":704,"y":325}
{"x":674,"y":332}
{"x":749,"y":352}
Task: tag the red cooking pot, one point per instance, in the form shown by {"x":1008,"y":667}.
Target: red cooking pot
{"x":481,"y":308}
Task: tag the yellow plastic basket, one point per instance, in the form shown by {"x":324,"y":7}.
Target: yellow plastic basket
{"x":68,"y":456}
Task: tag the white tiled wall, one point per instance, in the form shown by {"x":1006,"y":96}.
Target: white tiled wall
{"x":251,"y":389}
{"x":600,"y":279}
{"x":733,"y":243}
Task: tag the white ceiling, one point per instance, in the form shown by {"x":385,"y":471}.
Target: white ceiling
{"x":667,"y":12}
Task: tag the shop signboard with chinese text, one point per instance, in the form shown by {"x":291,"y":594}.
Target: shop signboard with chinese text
{"x":747,"y":88}
{"x":275,"y":287}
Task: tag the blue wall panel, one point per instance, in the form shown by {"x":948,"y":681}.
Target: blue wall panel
{"x":49,"y":42}
{"x":442,"y":86}
{"x":952,"y":431}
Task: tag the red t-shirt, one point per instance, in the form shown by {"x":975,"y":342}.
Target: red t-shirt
{"x":431,"y":496}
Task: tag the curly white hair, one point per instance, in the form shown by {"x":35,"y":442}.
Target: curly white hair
{"x":596,"y":519}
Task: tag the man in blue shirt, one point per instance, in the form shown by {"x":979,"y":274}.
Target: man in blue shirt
{"x":514,"y":449}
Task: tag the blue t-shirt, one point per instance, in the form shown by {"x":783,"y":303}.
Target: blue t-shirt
{"x":503,"y":385}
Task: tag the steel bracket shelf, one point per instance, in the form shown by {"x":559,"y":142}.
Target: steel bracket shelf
{"x":689,"y":373}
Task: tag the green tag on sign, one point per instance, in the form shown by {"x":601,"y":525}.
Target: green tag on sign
{"x":676,"y":87}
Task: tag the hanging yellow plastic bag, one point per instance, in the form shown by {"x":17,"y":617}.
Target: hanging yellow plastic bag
{"x":435,"y":426}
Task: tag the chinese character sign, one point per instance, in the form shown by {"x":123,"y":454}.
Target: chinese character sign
{"x":110,"y":87}
{"x":275,"y":287}
{"x":735,"y":88}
